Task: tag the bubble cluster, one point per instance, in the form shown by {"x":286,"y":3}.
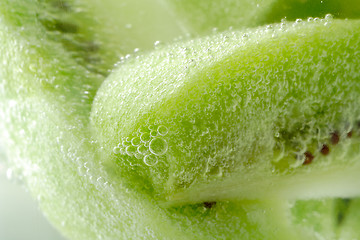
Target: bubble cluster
{"x":145,"y":146}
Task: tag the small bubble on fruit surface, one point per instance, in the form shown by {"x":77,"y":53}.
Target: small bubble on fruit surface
{"x":138,"y":156}
{"x":135,"y":141}
{"x":116,"y":150}
{"x":130,"y":150}
{"x":145,"y":137}
{"x":150,"y":160}
{"x":329,"y":16}
{"x":153,"y":133}
{"x":158,"y":146}
{"x":162,"y":130}
{"x":100,"y":180}
{"x":142,"y":149}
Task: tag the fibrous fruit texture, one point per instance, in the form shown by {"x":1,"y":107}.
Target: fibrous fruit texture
{"x":227,"y":136}
{"x":268,"y":113}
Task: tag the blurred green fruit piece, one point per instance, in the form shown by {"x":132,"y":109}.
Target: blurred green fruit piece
{"x":295,"y":9}
{"x":203,"y":16}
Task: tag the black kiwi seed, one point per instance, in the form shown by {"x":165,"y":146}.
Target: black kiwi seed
{"x":335,"y":138}
{"x":65,"y":27}
{"x":60,"y":26}
{"x":308,"y":158}
{"x":82,"y":46}
{"x":349,"y":134}
{"x":342,"y":206}
{"x":209,"y":204}
{"x":325,"y":150}
{"x":62,"y":5}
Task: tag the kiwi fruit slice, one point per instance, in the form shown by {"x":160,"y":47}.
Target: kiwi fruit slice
{"x":46,"y":103}
{"x":47,"y":91}
{"x":266,"y":114}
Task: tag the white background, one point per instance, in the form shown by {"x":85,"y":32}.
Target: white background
{"x":20,"y":217}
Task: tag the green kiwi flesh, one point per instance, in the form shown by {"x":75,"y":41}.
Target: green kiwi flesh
{"x":46,"y":95}
{"x":271,"y":113}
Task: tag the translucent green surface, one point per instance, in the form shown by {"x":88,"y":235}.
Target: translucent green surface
{"x":196,"y":115}
{"x":241,"y":112}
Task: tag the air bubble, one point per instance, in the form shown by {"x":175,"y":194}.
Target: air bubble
{"x":82,"y":171}
{"x":153,"y":133}
{"x":298,"y":161}
{"x":116,"y":150}
{"x":135,"y":141}
{"x":143,"y":130}
{"x":310,"y":19}
{"x":122,"y":151}
{"x":138,"y":156}
{"x":142,"y":150}
{"x":150,"y":160}
{"x":329,"y":17}
{"x":145,"y":137}
{"x":158,"y":146}
{"x":101,"y":180}
{"x":162,"y":130}
{"x":130,"y":150}
{"x":152,"y":127}
{"x":32,"y":68}
{"x":125,"y":143}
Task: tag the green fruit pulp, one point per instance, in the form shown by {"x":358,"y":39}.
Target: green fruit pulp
{"x":234,"y":115}
{"x":50,"y":142}
{"x":47,"y":89}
